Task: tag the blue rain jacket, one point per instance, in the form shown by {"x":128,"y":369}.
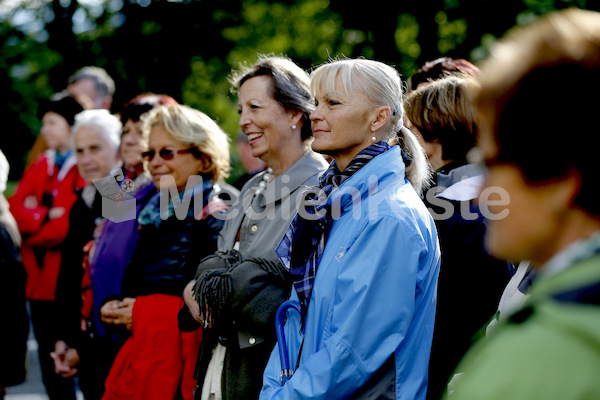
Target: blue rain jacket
{"x":374,"y":294}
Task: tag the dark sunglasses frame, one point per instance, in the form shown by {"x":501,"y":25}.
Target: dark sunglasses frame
{"x":166,"y":154}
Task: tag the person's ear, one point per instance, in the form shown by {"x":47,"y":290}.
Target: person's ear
{"x":380,"y":118}
{"x":295,"y":117}
{"x":565,"y":190}
{"x":205,"y":164}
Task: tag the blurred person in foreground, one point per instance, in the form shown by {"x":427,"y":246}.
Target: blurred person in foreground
{"x":41,"y":205}
{"x":550,"y":215}
{"x":441,"y":115}
{"x":96,"y":143}
{"x":13,"y":335}
{"x":365,"y":271}
{"x":236,"y":292}
{"x":187,"y":155}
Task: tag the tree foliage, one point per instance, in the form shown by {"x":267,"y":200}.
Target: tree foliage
{"x":187,"y":48}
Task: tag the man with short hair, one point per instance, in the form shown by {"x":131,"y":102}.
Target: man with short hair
{"x":93,"y":83}
{"x":93,"y":88}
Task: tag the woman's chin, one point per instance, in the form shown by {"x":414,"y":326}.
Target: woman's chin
{"x":131,"y":163}
{"x":259,"y":153}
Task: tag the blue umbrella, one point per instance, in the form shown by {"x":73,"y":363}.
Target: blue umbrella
{"x":286,"y":371}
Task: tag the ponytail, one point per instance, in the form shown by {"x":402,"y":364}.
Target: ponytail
{"x":418,"y":171}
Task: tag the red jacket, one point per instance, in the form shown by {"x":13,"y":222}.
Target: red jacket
{"x":158,"y":359}
{"x":51,"y":187}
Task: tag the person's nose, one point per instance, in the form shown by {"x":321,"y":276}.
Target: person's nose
{"x":156,"y":161}
{"x":244,"y":119}
{"x":127,"y":139}
{"x":316,"y":115}
{"x":84,"y":158}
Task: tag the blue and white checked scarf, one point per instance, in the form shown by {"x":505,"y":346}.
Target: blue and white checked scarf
{"x":309,"y":236}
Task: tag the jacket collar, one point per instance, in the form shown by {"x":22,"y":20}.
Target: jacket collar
{"x":291,"y":179}
{"x":460,"y":183}
{"x":69,"y":163}
{"x":380,"y":172}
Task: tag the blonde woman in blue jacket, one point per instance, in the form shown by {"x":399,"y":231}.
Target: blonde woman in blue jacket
{"x":365,"y":258}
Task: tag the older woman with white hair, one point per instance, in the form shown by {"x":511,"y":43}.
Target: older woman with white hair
{"x":96,"y":140}
{"x":365,"y":259}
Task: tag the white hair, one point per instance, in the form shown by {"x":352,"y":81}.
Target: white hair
{"x":110,"y":126}
{"x":382,"y":85}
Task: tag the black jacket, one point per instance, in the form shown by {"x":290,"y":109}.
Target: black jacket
{"x":470,"y":283}
{"x":167,"y":255}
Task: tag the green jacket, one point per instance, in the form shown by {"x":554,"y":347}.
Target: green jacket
{"x":548,"y":350}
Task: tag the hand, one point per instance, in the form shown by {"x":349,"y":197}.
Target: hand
{"x":30,"y":202}
{"x":65,"y":359}
{"x":118,"y":312}
{"x":190,"y":301}
{"x":126,"y":312}
{"x":107,"y":311}
{"x":56,"y":212}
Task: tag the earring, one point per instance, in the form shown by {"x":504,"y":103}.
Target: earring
{"x":373,"y":138}
{"x":293,"y":126}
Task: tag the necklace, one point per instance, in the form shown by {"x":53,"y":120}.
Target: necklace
{"x":266,"y":179}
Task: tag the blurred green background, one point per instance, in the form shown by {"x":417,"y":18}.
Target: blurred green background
{"x":187,"y":48}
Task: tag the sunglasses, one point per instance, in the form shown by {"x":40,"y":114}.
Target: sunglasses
{"x":165,"y":154}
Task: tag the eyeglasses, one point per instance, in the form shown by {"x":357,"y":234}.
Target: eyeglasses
{"x":165,"y":154}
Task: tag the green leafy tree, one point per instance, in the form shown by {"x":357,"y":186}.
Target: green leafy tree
{"x":187,"y":48}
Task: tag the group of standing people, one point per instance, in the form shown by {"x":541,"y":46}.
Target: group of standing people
{"x":368,"y":220}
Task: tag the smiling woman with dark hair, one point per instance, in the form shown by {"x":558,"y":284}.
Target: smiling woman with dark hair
{"x":237,"y":291}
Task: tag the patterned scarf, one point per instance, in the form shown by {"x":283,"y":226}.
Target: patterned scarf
{"x":153,"y":214}
{"x":309,"y":236}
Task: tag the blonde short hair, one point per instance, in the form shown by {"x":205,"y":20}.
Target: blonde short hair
{"x":197,"y":129}
{"x":382,"y":85}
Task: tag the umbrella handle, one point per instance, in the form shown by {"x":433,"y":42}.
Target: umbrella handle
{"x":286,"y":371}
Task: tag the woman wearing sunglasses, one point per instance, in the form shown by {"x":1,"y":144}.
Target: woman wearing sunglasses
{"x":187,"y":154}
